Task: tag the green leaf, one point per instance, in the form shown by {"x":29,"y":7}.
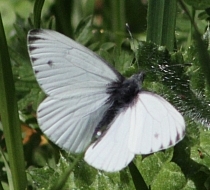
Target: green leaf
{"x":198,"y":4}
{"x":161,"y":27}
{"x":151,"y":165}
{"x":9,"y":116}
{"x":169,"y":177}
{"x":37,"y":12}
{"x":200,"y":151}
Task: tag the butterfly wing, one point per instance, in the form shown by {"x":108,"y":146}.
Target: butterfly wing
{"x":62,"y":65}
{"x":75,"y":80}
{"x":71,"y":125}
{"x":148,"y":125}
{"x":110,"y":153}
{"x":156,"y":124}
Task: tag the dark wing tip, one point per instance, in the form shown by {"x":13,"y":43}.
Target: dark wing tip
{"x":34,"y":31}
{"x":33,"y":35}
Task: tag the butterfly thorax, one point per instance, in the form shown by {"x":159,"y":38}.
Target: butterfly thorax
{"x":122,"y":95}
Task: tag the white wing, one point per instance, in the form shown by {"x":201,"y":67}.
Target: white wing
{"x":71,"y":123}
{"x":156,"y":124}
{"x":111,"y":153}
{"x":149,"y":125}
{"x":62,"y":65}
{"x":75,"y":80}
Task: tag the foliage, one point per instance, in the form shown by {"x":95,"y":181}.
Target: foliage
{"x":175,"y":69}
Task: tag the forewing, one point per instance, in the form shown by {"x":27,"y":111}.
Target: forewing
{"x":156,"y":124}
{"x":62,"y":65}
{"x":110,"y":153}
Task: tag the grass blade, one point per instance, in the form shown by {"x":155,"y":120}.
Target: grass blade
{"x":9,"y":116}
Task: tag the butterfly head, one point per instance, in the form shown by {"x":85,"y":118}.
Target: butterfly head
{"x":138,"y":78}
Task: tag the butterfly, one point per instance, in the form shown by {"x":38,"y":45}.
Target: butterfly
{"x":91,"y":107}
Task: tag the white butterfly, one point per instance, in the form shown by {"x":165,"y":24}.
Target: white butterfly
{"x":88,"y":101}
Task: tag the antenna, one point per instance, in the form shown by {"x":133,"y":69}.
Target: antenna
{"x":128,"y":29}
{"x":133,"y":44}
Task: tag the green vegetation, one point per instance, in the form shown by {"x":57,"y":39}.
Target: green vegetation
{"x":171,"y":43}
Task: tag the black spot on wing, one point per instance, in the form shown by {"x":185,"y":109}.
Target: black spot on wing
{"x":183,"y":133}
{"x":36,"y":71}
{"x":33,"y":59}
{"x":156,"y":135}
{"x":151,"y":151}
{"x":35,"y":31}
{"x":34,"y":38}
{"x":31,"y":48}
{"x":161,"y":147}
{"x":178,"y":137}
{"x":170,"y":143}
{"x":50,"y":63}
{"x":39,"y":110}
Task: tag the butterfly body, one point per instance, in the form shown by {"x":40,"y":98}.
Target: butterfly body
{"x":91,"y":106}
{"x":122,"y":93}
